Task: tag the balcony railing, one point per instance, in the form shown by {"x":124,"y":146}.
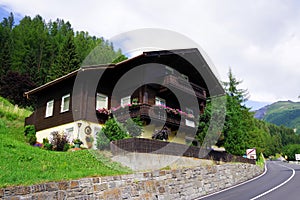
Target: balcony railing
{"x":145,"y":111}
{"x":184,"y":85}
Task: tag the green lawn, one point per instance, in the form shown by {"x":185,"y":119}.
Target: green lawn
{"x":22,"y":164}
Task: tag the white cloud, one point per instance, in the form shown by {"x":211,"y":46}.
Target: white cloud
{"x":259,"y":40}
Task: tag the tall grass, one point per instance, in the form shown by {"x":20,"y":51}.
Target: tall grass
{"x":12,"y":112}
{"x":261,"y":161}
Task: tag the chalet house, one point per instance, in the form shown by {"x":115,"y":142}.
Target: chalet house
{"x":151,"y":86}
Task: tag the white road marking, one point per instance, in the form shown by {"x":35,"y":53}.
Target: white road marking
{"x":266,"y":169}
{"x":278,"y":186}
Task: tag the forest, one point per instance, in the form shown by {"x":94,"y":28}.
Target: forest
{"x":242,"y":131}
{"x":34,"y":52}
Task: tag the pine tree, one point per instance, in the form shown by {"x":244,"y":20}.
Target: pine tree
{"x":6,"y":44}
{"x":237,"y":115}
{"x":67,"y":60}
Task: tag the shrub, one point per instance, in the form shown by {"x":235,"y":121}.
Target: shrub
{"x":102,"y":141}
{"x":134,"y":126}
{"x":58,"y":141}
{"x":47,"y":144}
{"x":67,"y":146}
{"x":290,"y":151}
{"x":114,"y":130}
{"x":29,"y":132}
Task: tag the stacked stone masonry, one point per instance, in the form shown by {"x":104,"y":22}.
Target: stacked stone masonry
{"x":160,"y":184}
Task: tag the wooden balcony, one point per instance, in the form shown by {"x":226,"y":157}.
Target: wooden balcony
{"x":147,"y":112}
{"x":184,"y":85}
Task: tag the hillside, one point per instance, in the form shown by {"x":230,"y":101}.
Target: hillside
{"x":25,"y":164}
{"x":285,"y":113}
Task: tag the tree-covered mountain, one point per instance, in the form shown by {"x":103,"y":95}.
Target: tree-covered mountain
{"x":37,"y":52}
{"x":286,"y":113}
{"x":241,"y":130}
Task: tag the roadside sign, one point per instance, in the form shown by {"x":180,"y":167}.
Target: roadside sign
{"x":297,"y":156}
{"x":251,"y":153}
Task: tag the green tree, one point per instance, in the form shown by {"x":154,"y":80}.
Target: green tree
{"x":290,"y":151}
{"x":114,"y":130}
{"x":13,"y":85}
{"x":67,"y":60}
{"x":237,"y":117}
{"x":6,"y":44}
{"x":30,"y":52}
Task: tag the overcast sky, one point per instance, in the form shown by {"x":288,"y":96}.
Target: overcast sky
{"x":259,"y":40}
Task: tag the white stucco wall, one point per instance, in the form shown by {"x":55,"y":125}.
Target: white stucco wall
{"x":81,"y":132}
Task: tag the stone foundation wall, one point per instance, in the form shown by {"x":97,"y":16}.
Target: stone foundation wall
{"x":160,"y":184}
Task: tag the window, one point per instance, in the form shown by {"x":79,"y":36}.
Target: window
{"x":101,"y":101}
{"x":125,"y":101}
{"x":49,"y":108}
{"x":70,"y":134}
{"x":159,"y":101}
{"x":190,"y":123}
{"x":65,"y":103}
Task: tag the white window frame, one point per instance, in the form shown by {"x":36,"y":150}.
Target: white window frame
{"x":49,"y":109}
{"x":62,"y":109}
{"x":190,"y":123}
{"x":98,"y":106}
{"x":160,"y":101}
{"x":70,"y":134}
{"x":125,"y":101}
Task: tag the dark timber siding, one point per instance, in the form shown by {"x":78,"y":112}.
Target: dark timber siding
{"x":56,"y":93}
{"x":84,"y":96}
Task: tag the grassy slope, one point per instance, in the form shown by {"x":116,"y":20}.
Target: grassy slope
{"x":285,"y":113}
{"x":22,"y":164}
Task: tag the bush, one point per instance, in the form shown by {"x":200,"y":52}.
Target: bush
{"x":290,"y":151}
{"x":67,"y":146}
{"x":46,"y":144}
{"x":114,"y":130}
{"x":102,"y":141}
{"x":58,"y":141}
{"x":134,"y":126}
{"x":29,"y":132}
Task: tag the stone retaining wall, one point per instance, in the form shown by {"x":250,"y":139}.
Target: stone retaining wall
{"x":160,"y":184}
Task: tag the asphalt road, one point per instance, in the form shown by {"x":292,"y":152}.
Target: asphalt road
{"x":280,"y":182}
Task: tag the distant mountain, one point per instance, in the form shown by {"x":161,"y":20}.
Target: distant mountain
{"x":255,"y":105}
{"x":285,"y":113}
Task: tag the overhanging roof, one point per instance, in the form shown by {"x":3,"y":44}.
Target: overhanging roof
{"x":193,"y":52}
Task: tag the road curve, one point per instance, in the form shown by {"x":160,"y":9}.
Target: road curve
{"x":281,"y":181}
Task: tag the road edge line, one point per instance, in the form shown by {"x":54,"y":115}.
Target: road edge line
{"x":278,"y":186}
{"x":234,"y":186}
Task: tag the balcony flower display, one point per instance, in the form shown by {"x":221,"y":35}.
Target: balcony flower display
{"x":172,"y":111}
{"x":102,"y":115}
{"x":136,"y":109}
{"x":103,"y":111}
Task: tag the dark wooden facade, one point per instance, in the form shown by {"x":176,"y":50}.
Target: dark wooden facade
{"x":150,"y":79}
{"x":54,"y":92}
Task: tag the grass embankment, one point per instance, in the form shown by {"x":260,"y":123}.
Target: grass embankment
{"x":22,"y":164}
{"x":261,"y":161}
